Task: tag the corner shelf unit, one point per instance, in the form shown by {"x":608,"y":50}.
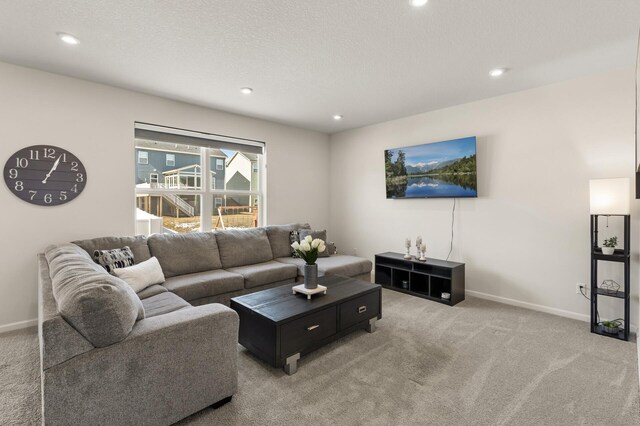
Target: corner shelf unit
{"x":428,"y":279}
{"x":620,"y":256}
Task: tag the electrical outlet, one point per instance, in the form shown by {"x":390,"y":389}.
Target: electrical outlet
{"x":580,"y":286}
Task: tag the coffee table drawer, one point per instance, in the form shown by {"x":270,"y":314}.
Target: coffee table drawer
{"x":359,"y":309}
{"x":302,"y":333}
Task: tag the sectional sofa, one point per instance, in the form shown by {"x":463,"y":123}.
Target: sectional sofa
{"x":113,"y":356}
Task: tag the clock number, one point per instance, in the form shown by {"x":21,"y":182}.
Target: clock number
{"x":63,"y":195}
{"x":49,"y":153}
{"x":19,"y":186}
{"x":22,"y":163}
{"x":47,"y":198}
{"x":74,"y":188}
{"x":79,"y":177}
{"x":33,"y":194}
{"x":35,"y":155}
{"x":13,"y":173}
{"x":74,"y":166}
{"x":63,"y":157}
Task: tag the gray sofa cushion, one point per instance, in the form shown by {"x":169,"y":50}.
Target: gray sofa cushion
{"x":239,"y":247}
{"x":338,"y":264}
{"x":181,"y":254}
{"x":138,"y":245}
{"x":279,"y":237}
{"x":103,"y":308}
{"x":151,"y":291}
{"x":204,"y":284}
{"x":265,"y":273}
{"x":163,"y":303}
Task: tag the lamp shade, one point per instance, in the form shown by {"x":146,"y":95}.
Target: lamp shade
{"x":610,"y":196}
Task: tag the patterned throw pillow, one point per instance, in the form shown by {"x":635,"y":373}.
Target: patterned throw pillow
{"x":293,"y":237}
{"x":113,"y":259}
{"x":331,"y":248}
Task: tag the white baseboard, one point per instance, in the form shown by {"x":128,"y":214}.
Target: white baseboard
{"x":18,"y":325}
{"x":535,"y":307}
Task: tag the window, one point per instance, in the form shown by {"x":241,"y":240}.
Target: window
{"x":143,"y":157}
{"x":202,"y":193}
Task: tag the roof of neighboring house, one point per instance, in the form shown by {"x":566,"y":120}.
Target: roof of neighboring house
{"x":176,"y":148}
{"x":248,"y":156}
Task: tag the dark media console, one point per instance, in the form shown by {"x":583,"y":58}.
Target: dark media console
{"x":428,"y":279}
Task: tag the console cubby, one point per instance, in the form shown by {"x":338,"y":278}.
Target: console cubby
{"x":438,"y":286}
{"x":427,"y":279}
{"x":419,"y":283}
{"x":384,"y":274}
{"x":398,"y":276}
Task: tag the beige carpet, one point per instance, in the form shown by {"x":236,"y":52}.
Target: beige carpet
{"x":480,"y":363}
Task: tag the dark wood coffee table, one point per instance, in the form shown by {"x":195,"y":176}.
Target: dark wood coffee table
{"x":278,"y":326}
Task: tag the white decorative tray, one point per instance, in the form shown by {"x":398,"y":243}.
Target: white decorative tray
{"x":309,"y":291}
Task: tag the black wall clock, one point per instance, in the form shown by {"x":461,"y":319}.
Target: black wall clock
{"x":45,"y":175}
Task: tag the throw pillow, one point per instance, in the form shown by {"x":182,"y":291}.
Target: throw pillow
{"x":113,"y":259}
{"x":294,"y":236}
{"x":142,"y":275}
{"x":331,"y":248}
{"x":316,"y":234}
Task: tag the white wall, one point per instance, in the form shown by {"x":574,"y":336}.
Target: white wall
{"x":526,"y":238}
{"x":95,"y":122}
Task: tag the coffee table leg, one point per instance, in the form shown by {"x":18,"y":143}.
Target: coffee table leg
{"x":291,"y":364}
{"x":371,"y":327}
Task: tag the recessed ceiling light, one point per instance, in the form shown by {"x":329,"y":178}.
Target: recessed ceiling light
{"x":68,"y":38}
{"x":246,"y":90}
{"x":497,"y":72}
{"x":418,"y":3}
{"x":337,"y":117}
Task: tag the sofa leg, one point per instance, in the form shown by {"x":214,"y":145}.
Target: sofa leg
{"x":220,"y":403}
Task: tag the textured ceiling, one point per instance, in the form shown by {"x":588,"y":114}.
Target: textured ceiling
{"x":370,"y":60}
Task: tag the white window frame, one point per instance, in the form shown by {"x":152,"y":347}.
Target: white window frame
{"x":144,"y":157}
{"x":219,"y":164}
{"x":208,"y":192}
{"x":216,"y":204}
{"x":153,"y":176}
{"x":170,"y":160}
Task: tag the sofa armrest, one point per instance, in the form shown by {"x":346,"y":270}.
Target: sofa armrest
{"x":170,"y":366}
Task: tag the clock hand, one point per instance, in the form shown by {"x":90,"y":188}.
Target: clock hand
{"x":55,"y":166}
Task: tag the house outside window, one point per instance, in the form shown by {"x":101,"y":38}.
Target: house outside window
{"x":184,"y":185}
{"x":143,"y":157}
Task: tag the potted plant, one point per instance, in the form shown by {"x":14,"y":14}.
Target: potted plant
{"x":611,"y":327}
{"x":609,"y":245}
{"x":308,"y":250}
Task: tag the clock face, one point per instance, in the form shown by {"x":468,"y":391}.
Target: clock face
{"x":45,"y":175}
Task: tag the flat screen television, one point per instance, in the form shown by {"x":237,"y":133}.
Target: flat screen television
{"x":432,"y":170}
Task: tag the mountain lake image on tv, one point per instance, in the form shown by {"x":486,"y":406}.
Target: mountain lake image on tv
{"x":432,"y":170}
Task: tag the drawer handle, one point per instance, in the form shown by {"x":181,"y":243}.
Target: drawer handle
{"x":313,"y":327}
{"x":362,"y":309}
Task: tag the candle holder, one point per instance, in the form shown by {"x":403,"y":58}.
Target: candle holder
{"x":423,"y":252}
{"x":407,"y":244}
{"x":418,"y":245}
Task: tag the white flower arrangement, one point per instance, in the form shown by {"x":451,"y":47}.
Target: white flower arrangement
{"x":309,"y":248}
